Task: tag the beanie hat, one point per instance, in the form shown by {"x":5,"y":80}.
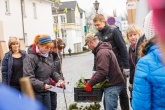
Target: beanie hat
{"x":45,"y":40}
{"x":158,"y":7}
{"x":149,"y":29}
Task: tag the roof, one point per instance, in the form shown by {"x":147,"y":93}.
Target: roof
{"x":67,"y":4}
{"x":70,"y":5}
{"x":81,"y":10}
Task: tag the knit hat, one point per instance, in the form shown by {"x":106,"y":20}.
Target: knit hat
{"x":149,"y":30}
{"x":158,"y":7}
{"x":45,"y":40}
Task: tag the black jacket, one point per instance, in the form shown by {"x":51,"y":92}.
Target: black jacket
{"x":113,"y":35}
{"x":132,"y":64}
{"x":57,"y":62}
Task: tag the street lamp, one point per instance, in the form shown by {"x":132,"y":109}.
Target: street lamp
{"x":96,"y":5}
{"x":62,"y":32}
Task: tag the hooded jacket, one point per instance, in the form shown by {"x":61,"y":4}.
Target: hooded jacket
{"x":149,"y":83}
{"x":106,"y":66}
{"x":39,"y":69}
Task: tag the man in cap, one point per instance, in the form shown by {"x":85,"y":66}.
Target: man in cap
{"x":106,"y":68}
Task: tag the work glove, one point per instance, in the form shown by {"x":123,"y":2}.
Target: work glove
{"x":52,"y":82}
{"x":126,"y":72}
{"x":88,"y":88}
{"x":130,"y":87}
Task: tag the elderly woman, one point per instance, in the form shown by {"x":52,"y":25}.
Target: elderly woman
{"x":12,"y":64}
{"x":39,"y":67}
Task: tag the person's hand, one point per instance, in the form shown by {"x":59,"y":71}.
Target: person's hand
{"x":130,"y":87}
{"x":60,"y":84}
{"x":46,"y":87}
{"x":126,"y":72}
{"x":88,"y":88}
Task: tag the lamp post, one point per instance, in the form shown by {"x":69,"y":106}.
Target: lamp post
{"x":62,"y":32}
{"x":96,"y":6}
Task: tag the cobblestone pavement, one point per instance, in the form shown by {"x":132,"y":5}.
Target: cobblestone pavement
{"x":73,"y":68}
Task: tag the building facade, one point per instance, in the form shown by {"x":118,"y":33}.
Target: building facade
{"x":70,"y":25}
{"x":24,"y":19}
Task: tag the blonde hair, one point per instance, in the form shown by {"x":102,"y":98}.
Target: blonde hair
{"x":99,"y":17}
{"x":13,"y":40}
{"x":141,"y":47}
{"x":132,"y":28}
{"x":38,"y":37}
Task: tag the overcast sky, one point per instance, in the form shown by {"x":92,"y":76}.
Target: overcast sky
{"x":106,"y":6}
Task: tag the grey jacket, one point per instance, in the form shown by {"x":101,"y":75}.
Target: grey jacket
{"x":39,"y":69}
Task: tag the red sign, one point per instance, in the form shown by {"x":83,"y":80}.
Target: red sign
{"x":111,"y":21}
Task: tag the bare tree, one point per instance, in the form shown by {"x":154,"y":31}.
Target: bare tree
{"x":124,"y":16}
{"x":114,"y":13}
{"x":89,"y":17}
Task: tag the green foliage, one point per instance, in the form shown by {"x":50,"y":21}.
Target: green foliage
{"x":73,"y":106}
{"x":95,"y":106}
{"x":82,"y":82}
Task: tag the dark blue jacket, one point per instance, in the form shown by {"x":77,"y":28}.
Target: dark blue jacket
{"x":7,"y":64}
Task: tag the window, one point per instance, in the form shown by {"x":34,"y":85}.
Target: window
{"x":55,"y":19}
{"x":7,"y":9}
{"x":23,"y":8}
{"x":81,"y":15}
{"x":64,"y":34}
{"x":34,"y":10}
{"x":63,"y":19}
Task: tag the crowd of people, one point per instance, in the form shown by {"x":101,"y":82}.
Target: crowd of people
{"x":142,"y":62}
{"x":41,"y":64}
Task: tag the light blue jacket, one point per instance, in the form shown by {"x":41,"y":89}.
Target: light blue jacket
{"x":149,"y":82}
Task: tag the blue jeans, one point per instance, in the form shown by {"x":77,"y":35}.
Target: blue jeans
{"x":44,"y":99}
{"x":111,"y":97}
